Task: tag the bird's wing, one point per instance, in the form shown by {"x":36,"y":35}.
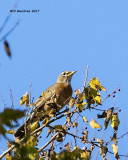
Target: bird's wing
{"x":40,"y":107}
{"x":47,"y":95}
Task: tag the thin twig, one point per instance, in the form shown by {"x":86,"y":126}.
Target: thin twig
{"x":2,"y":100}
{"x":25,"y":126}
{"x":30,"y":91}
{"x":9,"y":15}
{"x":48,"y":142}
{"x":106,"y":97}
{"x":11,"y":96}
{"x":85,"y":79}
{"x":10,"y":31}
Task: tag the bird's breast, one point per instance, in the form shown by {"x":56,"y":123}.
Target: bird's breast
{"x":63,"y":94}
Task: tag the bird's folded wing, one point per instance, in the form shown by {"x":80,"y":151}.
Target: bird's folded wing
{"x":40,"y":107}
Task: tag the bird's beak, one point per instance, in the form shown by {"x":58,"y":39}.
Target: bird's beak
{"x":71,"y":73}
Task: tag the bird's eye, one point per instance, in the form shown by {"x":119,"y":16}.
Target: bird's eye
{"x":63,"y":73}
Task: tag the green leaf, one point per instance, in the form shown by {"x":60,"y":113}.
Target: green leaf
{"x":7,"y":116}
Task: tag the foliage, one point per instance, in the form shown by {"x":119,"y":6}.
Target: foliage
{"x":88,"y":98}
{"x":7,"y":116}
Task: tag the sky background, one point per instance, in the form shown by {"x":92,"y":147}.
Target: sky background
{"x":67,"y":35}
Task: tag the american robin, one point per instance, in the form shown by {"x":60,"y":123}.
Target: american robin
{"x":52,"y":100}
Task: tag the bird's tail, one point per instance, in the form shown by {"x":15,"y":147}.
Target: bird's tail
{"x":20,"y":132}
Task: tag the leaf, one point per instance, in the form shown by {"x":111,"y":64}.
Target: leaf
{"x":94,"y":124}
{"x":7,"y":116}
{"x":72,"y":102}
{"x":77,"y":92}
{"x":25,"y":99}
{"x":103,"y":151}
{"x":105,"y":123}
{"x":68,"y":120}
{"x":85,"y":119}
{"x":115,"y":121}
{"x":81,"y":106}
{"x":67,"y":147}
{"x":10,"y":131}
{"x":115,"y":151}
{"x":95,"y":84}
{"x":114,"y":138}
{"x":59,"y":127}
{"x":85,"y":155}
{"x":50,"y":130}
{"x":80,"y":98}
{"x":97,"y":99}
{"x":75,"y":124}
{"x":85,"y":137}
{"x":7,"y":48}
{"x":67,"y":155}
{"x":26,"y":152}
{"x":32,"y":141}
{"x":46,"y":121}
{"x":107,"y":115}
{"x":100,"y":142}
{"x":10,"y":114}
{"x":91,"y":92}
{"x":77,"y":149}
{"x":8,"y":157}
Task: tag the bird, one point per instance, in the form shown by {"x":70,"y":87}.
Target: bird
{"x":49,"y":103}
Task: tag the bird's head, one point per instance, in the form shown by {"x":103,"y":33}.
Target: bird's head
{"x":65,"y":77}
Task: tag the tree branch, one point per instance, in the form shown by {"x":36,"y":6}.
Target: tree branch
{"x":48,"y":142}
{"x":7,"y":151}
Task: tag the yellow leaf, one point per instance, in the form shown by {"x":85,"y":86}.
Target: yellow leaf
{"x":32,"y":141}
{"x":67,"y":147}
{"x":43,"y":94}
{"x":76,"y":148}
{"x":97,"y":99}
{"x":85,"y":119}
{"x":85,"y":155}
{"x":10,"y":131}
{"x":81,"y":97}
{"x":8,"y":157}
{"x":115,"y":150}
{"x":115,"y":121}
{"x":46,"y":120}
{"x":77,"y":92}
{"x":72,"y":102}
{"x":94,"y":124}
{"x":25,"y":99}
{"x":106,"y":123}
{"x":75,"y":124}
{"x":103,"y":151}
{"x":95,"y":84}
{"x":59,"y":127}
{"x":81,"y":105}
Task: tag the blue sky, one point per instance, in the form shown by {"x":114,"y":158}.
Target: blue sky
{"x":67,"y":35}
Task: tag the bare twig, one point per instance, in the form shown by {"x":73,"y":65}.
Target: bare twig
{"x":11,"y":96}
{"x":10,"y":31}
{"x":2,"y":100}
{"x":85,"y":79}
{"x":9,"y":15}
{"x":105,"y":98}
{"x":30,"y":91}
{"x":48,"y":142}
{"x":7,"y":151}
